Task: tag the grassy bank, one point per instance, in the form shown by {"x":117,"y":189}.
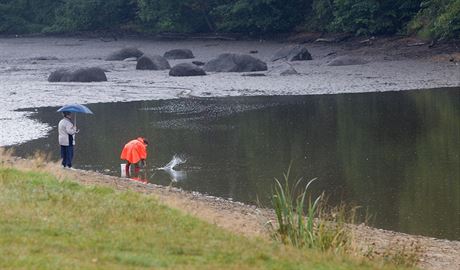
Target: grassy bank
{"x":46,"y":223}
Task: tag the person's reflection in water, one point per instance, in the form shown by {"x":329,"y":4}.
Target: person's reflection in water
{"x":139,"y":174}
{"x":138,"y":179}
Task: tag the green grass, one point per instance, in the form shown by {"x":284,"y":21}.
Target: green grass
{"x":50,"y":224}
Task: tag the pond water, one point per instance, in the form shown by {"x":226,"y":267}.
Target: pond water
{"x":396,"y":154}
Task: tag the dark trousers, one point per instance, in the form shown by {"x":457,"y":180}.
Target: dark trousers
{"x":67,"y":155}
{"x":136,"y":169}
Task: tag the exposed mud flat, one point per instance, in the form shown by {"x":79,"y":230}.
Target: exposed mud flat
{"x":25,"y":64}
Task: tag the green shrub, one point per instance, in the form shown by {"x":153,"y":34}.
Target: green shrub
{"x":83,"y":15}
{"x":438,"y":19}
{"x":21,"y":16}
{"x":261,"y":16}
{"x":428,"y":18}
{"x":177,"y":15}
{"x":373,"y":16}
{"x":320,"y":16}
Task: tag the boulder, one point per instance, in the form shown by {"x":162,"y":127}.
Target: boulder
{"x":130,"y":59}
{"x":186,"y":69}
{"x":347,"y":61}
{"x":229,"y":62}
{"x":154,"y":62}
{"x":124,"y":53}
{"x":289,"y":71}
{"x":198,"y":63}
{"x":179,"y":54}
{"x":283,"y":69}
{"x":93,"y":74}
{"x":292,"y":53}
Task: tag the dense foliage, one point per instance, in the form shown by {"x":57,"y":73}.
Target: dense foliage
{"x":264,"y":16}
{"x":430,"y":18}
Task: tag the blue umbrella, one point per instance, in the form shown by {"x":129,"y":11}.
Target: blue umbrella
{"x":75,"y":108}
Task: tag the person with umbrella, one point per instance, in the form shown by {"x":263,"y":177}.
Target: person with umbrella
{"x":67,"y":130}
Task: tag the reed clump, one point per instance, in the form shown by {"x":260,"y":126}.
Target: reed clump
{"x":307,"y":222}
{"x":304,"y":221}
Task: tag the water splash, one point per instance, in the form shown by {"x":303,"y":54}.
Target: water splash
{"x":176,"y":160}
{"x":174,"y":175}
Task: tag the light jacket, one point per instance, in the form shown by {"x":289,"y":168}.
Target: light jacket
{"x":134,"y":151}
{"x":66,"y":128}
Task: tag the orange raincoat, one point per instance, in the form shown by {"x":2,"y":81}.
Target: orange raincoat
{"x":134,"y":151}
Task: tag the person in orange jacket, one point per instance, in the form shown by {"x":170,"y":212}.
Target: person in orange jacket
{"x":135,"y":152}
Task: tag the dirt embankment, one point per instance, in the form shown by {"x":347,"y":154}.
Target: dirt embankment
{"x":252,"y":221}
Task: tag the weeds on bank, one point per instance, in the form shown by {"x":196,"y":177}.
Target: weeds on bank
{"x":305,"y":222}
{"x":398,"y":252}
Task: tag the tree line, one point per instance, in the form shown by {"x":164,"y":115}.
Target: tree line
{"x":435,"y":19}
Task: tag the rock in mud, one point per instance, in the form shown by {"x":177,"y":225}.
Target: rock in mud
{"x":292,"y":53}
{"x":289,"y":71}
{"x":124,"y":53}
{"x":130,"y":59}
{"x":179,"y":54}
{"x":153,"y":62}
{"x":347,"y":61}
{"x":230,"y":62}
{"x":44,"y":58}
{"x":284,"y":69}
{"x":93,"y":74}
{"x":254,"y":75}
{"x":198,"y":63}
{"x":186,"y":69}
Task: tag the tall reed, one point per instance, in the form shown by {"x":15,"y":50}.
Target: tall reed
{"x":305,"y":222}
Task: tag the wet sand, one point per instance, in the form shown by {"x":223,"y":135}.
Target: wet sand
{"x":392,"y":67}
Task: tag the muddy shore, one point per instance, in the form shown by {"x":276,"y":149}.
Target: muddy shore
{"x":252,"y":221}
{"x":394,"y":65}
